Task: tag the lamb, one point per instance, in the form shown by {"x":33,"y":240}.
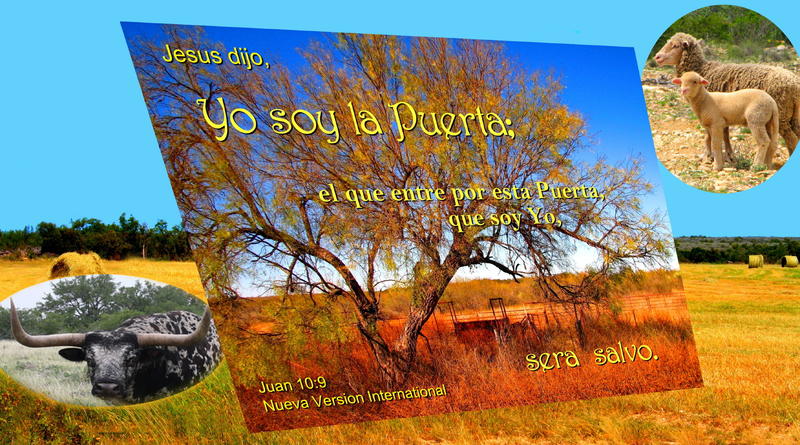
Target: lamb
{"x":717,"y":111}
{"x":684,"y":51}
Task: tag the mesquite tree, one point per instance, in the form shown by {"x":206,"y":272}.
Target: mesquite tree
{"x":252,"y":200}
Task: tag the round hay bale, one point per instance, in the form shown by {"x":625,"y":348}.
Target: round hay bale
{"x":755,"y":261}
{"x":789,"y":261}
{"x":74,"y":263}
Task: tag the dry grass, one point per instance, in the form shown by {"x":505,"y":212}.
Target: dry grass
{"x":747,"y":329}
{"x":17,"y":275}
{"x":74,"y":263}
{"x":474,"y":294}
{"x":44,"y":371}
{"x":477,"y":374}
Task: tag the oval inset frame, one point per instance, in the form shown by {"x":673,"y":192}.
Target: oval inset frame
{"x":110,"y":315}
{"x":708,"y":41}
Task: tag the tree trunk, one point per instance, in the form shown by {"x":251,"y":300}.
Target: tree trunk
{"x":397,"y":363}
{"x":391,"y":368}
{"x":579,"y":330}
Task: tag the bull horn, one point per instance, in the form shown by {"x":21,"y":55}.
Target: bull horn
{"x":41,"y":341}
{"x":178,"y":339}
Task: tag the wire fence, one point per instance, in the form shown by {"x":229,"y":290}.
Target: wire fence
{"x":544,"y":315}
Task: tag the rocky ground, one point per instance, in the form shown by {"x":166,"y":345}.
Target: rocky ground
{"x":680,"y":141}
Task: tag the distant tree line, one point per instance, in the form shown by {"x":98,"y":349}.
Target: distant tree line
{"x":118,"y":240}
{"x":735,"y":249}
{"x":95,"y":303}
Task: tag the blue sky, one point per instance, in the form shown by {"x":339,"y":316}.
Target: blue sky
{"x":30,"y":296}
{"x":618,"y":128}
{"x":78,"y":142}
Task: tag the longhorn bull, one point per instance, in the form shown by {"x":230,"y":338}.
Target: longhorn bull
{"x":145,"y":358}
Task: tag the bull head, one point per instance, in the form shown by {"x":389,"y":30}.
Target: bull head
{"x":144,"y":340}
{"x":114,"y":358}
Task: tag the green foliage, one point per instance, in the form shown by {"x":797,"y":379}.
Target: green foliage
{"x":741,"y":161}
{"x":107,"y":322}
{"x":127,"y":237}
{"x":93,"y":303}
{"x":308,"y":323}
{"x":81,"y":301}
{"x":20,"y":243}
{"x":742,"y":31}
{"x":58,"y":240}
{"x":699,"y":249}
{"x":745,"y":50}
{"x":671,"y":98}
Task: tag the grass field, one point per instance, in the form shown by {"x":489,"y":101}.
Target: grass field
{"x":44,"y":371}
{"x":747,"y":326}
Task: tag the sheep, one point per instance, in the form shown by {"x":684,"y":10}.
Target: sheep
{"x":684,"y":51}
{"x":717,"y":111}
